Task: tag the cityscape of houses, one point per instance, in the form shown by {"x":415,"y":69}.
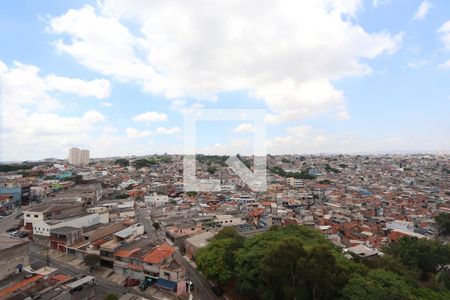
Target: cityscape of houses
{"x":125,"y":225}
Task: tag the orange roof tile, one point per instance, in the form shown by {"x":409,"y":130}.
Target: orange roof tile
{"x":61,"y":277}
{"x":126,"y":253}
{"x":135,"y":267}
{"x":10,"y":289}
{"x":158,"y":254}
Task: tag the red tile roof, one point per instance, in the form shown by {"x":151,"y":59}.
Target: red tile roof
{"x":126,"y":253}
{"x":61,"y":277}
{"x":158,"y":254}
{"x":5,"y":197}
{"x":21,"y":284}
{"x":135,"y":267}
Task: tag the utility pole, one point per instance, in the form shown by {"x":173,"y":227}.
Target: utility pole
{"x":48,"y":257}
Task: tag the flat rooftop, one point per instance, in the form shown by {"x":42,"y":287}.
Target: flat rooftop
{"x":7,"y":242}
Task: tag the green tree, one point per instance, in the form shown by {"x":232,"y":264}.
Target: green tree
{"x":392,"y":264}
{"x":324,"y":277}
{"x":377,"y":285}
{"x":261,"y":248}
{"x":443,"y":223}
{"x":423,"y":254}
{"x":228,"y":232}
{"x":123,"y":162}
{"x":218,"y":259}
{"x":282,"y":271}
{"x":91,"y":260}
{"x":429,"y":294}
{"x":112,"y":297}
{"x":213,"y":262}
{"x":78,"y":179}
{"x":443,"y":278}
{"x":212,"y":170}
{"x":191,"y":193}
{"x":156,"y":225}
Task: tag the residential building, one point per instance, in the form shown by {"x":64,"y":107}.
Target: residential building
{"x":196,"y":242}
{"x":13,"y":255}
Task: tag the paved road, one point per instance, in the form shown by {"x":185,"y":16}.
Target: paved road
{"x":103,"y":286}
{"x":202,"y":287}
{"x":9,"y":221}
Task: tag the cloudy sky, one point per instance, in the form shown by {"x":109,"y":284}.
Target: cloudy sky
{"x":117,"y":77}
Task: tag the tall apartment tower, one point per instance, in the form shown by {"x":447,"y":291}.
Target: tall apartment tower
{"x":84,"y":157}
{"x":74,"y":156}
{"x":78,"y":157}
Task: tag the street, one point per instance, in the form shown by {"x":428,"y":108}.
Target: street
{"x":202,"y":287}
{"x":9,"y":221}
{"x":103,"y":286}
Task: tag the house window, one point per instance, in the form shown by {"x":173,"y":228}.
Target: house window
{"x":36,"y":216}
{"x":28,"y":215}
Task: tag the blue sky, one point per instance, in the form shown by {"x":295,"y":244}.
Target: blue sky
{"x":117,"y":77}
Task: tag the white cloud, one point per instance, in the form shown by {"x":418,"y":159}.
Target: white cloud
{"x":445,"y":65}
{"x":30,"y":126}
{"x":444,"y":30}
{"x":422,"y":11}
{"x":320,"y":141}
{"x":417,"y":64}
{"x":182,"y":107}
{"x":377,"y":3}
{"x":232,"y":147}
{"x":244,"y":127}
{"x":106,"y":104}
{"x":164,"y":130}
{"x":301,"y":130}
{"x":150,"y":116}
{"x":92,"y":117}
{"x":296,"y":49}
{"x":99,"y":88}
{"x":133,"y":133}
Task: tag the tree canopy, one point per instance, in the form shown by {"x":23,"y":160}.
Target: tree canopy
{"x":111,"y":297}
{"x":91,"y":260}
{"x":424,"y":255}
{"x":297,"y":262}
{"x":443,"y":223}
{"x":123,"y":162}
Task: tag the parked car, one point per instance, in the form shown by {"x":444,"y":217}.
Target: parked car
{"x":217,"y":290}
{"x":14,"y":228}
{"x":23,"y":234}
{"x":131,"y":282}
{"x":145,"y":284}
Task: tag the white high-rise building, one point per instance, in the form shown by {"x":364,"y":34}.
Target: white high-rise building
{"x":78,"y":157}
{"x":84,"y":157}
{"x":74,"y":156}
